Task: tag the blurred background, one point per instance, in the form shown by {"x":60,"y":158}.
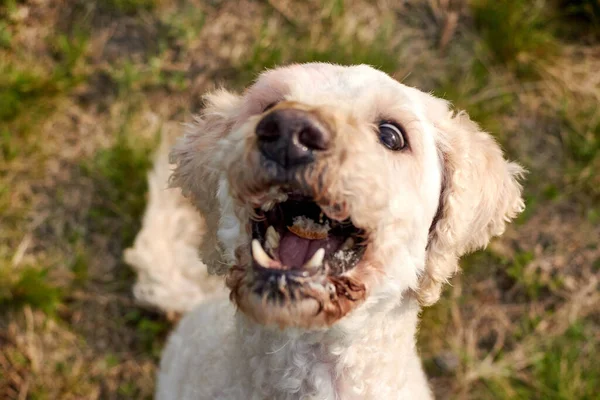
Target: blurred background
{"x":87,"y":87}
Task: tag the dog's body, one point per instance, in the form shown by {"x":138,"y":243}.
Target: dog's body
{"x":215,"y":354}
{"x":337,"y":201}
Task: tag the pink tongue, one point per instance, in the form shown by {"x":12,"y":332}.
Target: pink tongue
{"x":294,"y":251}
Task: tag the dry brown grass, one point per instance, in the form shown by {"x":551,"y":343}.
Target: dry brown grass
{"x":86,"y":88}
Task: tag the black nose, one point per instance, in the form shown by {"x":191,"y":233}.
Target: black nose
{"x":290,"y":137}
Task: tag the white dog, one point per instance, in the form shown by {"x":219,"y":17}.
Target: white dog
{"x":337,"y":201}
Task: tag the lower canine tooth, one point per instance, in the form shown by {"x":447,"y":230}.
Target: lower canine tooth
{"x":316,"y":260}
{"x":259,"y":255}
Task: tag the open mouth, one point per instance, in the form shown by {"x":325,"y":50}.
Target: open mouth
{"x":308,"y":266}
{"x":295,"y":237}
{"x":304,"y":264}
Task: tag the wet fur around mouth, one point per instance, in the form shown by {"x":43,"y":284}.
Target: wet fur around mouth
{"x":273,"y":292}
{"x":302,"y":302}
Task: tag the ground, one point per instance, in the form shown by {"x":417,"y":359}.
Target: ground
{"x":87,"y":88}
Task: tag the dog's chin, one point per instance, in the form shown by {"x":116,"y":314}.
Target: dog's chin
{"x":301,"y":265}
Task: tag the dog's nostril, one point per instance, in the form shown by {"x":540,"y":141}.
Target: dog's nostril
{"x":268,"y":129}
{"x":313,"y":138}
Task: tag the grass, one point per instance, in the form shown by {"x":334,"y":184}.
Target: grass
{"x":581,"y":138}
{"x":24,"y":82}
{"x":30,"y":286}
{"x":563,"y":370}
{"x":330,"y":41}
{"x":584,"y":16}
{"x":119,"y":173}
{"x":81,"y":110}
{"x":130,"y":7}
{"x":21,"y":88}
{"x":515,"y":33}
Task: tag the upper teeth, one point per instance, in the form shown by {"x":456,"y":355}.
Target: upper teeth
{"x":272,"y":239}
{"x":274,"y":196}
{"x":267,"y":205}
{"x":347,"y":244}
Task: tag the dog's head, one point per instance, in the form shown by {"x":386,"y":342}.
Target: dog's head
{"x":328,"y":188}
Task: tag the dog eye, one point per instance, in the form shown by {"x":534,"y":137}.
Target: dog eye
{"x":391,"y":136}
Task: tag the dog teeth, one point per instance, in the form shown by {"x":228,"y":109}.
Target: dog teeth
{"x":348,"y":244}
{"x":281,"y":283}
{"x":316,"y":261}
{"x":259,"y":255}
{"x":272,"y":239}
{"x":267,"y":206}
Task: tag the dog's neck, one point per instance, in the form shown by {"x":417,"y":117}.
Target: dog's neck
{"x":369,"y":354}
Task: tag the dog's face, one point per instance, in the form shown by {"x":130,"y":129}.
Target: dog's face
{"x":333,"y":188}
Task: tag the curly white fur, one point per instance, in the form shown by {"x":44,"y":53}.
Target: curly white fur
{"x":170,"y":275}
{"x":423,"y":210}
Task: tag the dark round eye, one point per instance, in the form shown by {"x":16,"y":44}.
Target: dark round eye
{"x":392,"y":136}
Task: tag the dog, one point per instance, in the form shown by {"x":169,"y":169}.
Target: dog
{"x":336,"y":203}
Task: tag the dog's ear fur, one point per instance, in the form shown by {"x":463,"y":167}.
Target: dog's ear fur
{"x":196,"y":156}
{"x":480,"y":193}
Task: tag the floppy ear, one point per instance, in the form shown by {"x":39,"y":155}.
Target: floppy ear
{"x":198,"y":158}
{"x":480,"y":194}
